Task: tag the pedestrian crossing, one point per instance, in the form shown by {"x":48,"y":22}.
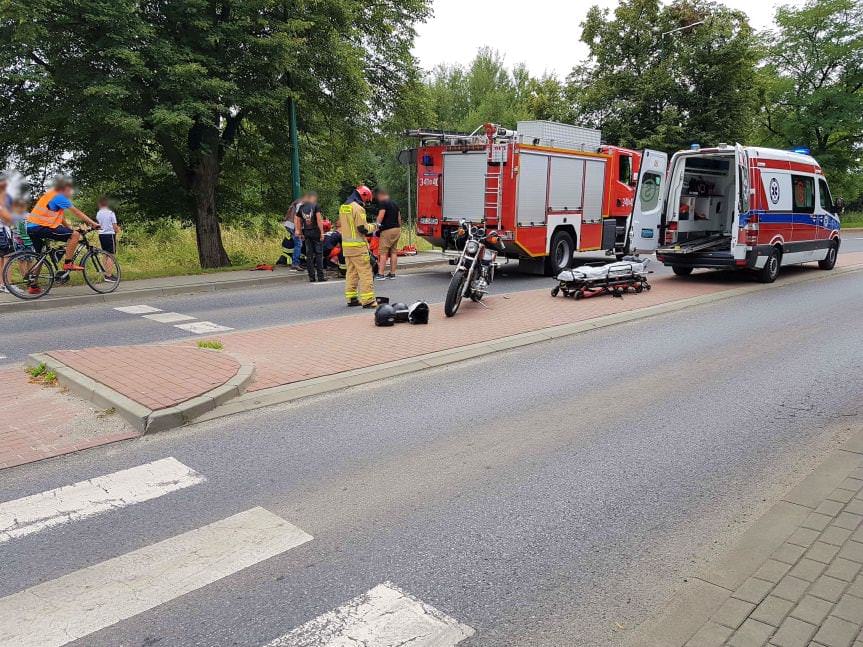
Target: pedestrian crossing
{"x":75,"y":605}
{"x":159,"y":316}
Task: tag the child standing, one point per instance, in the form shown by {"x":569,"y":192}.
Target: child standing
{"x":108,"y":226}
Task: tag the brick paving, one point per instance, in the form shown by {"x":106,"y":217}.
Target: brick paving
{"x":809,"y":593}
{"x":41,"y":422}
{"x":157,"y":377}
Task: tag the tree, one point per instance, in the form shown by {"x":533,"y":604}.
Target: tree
{"x":666,"y":76}
{"x":112,"y":86}
{"x":813,"y":87}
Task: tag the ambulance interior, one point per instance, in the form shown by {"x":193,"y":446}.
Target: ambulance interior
{"x":701,"y":201}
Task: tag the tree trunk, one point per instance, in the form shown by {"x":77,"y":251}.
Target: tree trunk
{"x":205,"y":179}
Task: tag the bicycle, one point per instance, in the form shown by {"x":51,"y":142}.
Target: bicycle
{"x":31,"y":275}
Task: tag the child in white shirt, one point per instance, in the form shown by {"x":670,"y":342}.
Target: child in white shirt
{"x":108,"y":227}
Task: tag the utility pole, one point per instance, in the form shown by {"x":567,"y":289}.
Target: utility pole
{"x":295,"y":149}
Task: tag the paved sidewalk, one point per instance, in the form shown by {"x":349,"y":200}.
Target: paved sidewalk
{"x":41,"y":421}
{"x":795,"y":580}
{"x":195,"y":283}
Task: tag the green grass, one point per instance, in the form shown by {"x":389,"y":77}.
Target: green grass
{"x":211,"y":344}
{"x":852,"y":220}
{"x":41,"y":373}
{"x":168,"y":248}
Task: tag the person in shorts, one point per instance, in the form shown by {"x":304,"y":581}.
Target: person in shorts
{"x":390,"y":223}
{"x":47,"y":221}
{"x":109,"y":228}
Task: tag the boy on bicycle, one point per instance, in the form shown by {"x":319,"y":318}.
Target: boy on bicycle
{"x":47,"y":221}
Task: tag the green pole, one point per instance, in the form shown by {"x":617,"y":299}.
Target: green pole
{"x":295,"y":149}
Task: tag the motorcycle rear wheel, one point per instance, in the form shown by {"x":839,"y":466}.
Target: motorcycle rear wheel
{"x":454,"y":293}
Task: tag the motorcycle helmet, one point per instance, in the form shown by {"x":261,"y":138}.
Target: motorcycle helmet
{"x":418,"y":313}
{"x":401,"y":310}
{"x":385,"y":315}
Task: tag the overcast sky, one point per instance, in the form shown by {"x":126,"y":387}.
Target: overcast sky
{"x":544,"y":34}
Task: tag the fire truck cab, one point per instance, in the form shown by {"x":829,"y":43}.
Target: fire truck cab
{"x":550,"y":189}
{"x":738,"y":207}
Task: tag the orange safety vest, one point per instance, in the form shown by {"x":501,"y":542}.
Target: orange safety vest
{"x":42,"y":215}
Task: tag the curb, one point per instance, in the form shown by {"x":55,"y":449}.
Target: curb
{"x":704,"y":593}
{"x":140,"y":417}
{"x":337,"y":381}
{"x":173,"y":290}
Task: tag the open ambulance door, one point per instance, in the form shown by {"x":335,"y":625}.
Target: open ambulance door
{"x":743,"y":190}
{"x":649,"y":204}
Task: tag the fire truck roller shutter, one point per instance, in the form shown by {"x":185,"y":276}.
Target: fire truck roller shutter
{"x":594,"y":187}
{"x":532,"y":189}
{"x":567,"y":184}
{"x":464,"y":185}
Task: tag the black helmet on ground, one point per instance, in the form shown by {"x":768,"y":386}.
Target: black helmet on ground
{"x":385,"y":315}
{"x":418,"y":313}
{"x":401,"y":310}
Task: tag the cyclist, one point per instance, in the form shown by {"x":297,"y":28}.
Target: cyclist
{"x":47,"y":221}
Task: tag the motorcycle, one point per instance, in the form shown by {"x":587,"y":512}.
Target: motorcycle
{"x":475,"y":267}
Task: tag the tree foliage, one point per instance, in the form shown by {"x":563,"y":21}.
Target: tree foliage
{"x":124,"y":88}
{"x":813,"y":88}
{"x":667,"y":75}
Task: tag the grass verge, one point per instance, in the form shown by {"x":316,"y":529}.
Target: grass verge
{"x":853,"y":220}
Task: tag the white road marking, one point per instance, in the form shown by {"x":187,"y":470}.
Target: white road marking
{"x":85,"y":499}
{"x":137,"y":310}
{"x":383,"y":617}
{"x":3,"y":357}
{"x":75,"y":605}
{"x":202,"y":327}
{"x":168,"y":317}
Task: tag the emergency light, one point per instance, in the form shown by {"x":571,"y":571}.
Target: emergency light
{"x":695,"y":147}
{"x":803,"y":150}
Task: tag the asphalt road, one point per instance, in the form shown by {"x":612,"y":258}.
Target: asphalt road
{"x":99,"y":324}
{"x":553,"y":495}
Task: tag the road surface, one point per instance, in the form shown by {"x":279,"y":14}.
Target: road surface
{"x":553,"y":495}
{"x":99,"y":324}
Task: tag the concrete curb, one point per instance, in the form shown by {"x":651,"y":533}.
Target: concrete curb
{"x":702,"y":596}
{"x":122,"y":294}
{"x":317,"y":386}
{"x":140,"y":417}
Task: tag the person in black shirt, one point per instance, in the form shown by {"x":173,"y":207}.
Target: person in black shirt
{"x":310,"y":224}
{"x":390,"y":224}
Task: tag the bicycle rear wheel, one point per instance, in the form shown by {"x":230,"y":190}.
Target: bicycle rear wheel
{"x":28,"y":275}
{"x":101,"y":271}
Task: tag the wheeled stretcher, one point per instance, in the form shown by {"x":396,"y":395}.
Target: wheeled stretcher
{"x":616,"y":278}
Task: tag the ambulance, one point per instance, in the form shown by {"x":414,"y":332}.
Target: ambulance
{"x":551,"y":190}
{"x":735,"y":207}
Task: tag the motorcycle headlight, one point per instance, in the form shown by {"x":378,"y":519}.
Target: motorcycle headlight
{"x":488,"y":254}
{"x":472,"y":247}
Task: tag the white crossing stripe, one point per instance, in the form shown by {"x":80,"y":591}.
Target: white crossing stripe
{"x":137,"y":310}
{"x":383,"y":617}
{"x":202,"y":327}
{"x":3,"y":357}
{"x":37,"y":512}
{"x":168,"y":317}
{"x":75,"y":605}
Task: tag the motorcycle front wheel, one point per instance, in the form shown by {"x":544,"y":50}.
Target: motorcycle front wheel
{"x":454,"y":293}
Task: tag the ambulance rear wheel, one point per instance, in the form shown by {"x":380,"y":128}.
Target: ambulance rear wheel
{"x":832,"y":254}
{"x":770,"y":271}
{"x":560,"y":254}
{"x":681,"y":271}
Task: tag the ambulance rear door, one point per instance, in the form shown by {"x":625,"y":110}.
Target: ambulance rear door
{"x":649,"y":205}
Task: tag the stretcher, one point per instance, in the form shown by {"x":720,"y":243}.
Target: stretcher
{"x":615,"y":279}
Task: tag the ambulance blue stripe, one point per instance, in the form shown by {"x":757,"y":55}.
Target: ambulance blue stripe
{"x":774,"y":218}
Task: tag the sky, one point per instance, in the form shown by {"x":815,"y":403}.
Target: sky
{"x":546,"y":38}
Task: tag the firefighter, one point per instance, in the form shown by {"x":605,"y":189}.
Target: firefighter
{"x":354,"y":227}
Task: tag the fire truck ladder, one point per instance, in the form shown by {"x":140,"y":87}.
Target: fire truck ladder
{"x":493,"y":195}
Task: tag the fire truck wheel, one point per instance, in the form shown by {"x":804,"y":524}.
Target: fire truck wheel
{"x":770,"y":271}
{"x":830,"y":262}
{"x":681,"y":271}
{"x":560,"y":253}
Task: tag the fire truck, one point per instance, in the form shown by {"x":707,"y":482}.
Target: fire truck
{"x":551,"y":190}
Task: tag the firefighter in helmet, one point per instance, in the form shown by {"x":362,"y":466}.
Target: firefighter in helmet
{"x":354,"y":227}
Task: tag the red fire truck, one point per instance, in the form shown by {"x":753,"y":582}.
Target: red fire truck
{"x":550,"y":189}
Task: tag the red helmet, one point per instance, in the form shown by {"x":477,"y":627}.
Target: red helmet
{"x":327,"y":226}
{"x":365,"y":193}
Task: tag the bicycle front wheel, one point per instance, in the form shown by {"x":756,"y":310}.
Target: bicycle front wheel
{"x":101,"y":271}
{"x":28,"y":275}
